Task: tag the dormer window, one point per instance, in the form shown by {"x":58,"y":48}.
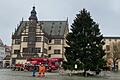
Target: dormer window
{"x":60,"y":23}
{"x":50,"y":41}
{"x":53,"y":23}
{"x":57,"y":41}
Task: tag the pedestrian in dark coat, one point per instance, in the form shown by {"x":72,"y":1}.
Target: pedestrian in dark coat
{"x":34,"y":71}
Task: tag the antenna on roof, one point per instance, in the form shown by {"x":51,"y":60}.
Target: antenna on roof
{"x":67,"y":20}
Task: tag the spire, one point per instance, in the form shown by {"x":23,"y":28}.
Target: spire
{"x":67,"y":19}
{"x":33,"y":14}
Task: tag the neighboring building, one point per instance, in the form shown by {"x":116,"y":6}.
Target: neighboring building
{"x":2,"y":53}
{"x":5,"y":51}
{"x":7,"y":59}
{"x":35,"y":38}
{"x":112,"y":50}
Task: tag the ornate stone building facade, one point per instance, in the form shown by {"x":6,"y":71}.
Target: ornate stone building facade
{"x":5,"y":51}
{"x":7,"y":59}
{"x":2,"y":53}
{"x":112,"y":50}
{"x":35,"y":38}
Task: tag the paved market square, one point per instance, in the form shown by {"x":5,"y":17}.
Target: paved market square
{"x":7,"y":74}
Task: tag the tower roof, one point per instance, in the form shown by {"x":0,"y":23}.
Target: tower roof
{"x":33,"y":14}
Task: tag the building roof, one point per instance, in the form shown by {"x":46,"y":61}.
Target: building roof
{"x":111,"y":37}
{"x":52,"y":28}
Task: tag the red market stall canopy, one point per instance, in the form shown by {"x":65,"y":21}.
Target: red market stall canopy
{"x":39,"y":59}
{"x":33,"y":62}
{"x":19,"y":65}
{"x":56,"y":59}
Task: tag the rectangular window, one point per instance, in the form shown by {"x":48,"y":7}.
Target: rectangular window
{"x":57,"y":51}
{"x":37,"y":50}
{"x":38,"y":39}
{"x":50,"y":41}
{"x":16,"y":51}
{"x":107,"y":47}
{"x":17,"y":41}
{"x":32,"y":29}
{"x":25,"y":50}
{"x":30,"y":50}
{"x":57,"y":41}
{"x":49,"y":47}
{"x":45,"y":51}
{"x":25,"y":39}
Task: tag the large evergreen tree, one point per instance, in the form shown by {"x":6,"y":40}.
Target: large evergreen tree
{"x":85,"y":43}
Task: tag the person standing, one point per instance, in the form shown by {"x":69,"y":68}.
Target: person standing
{"x":41,"y":71}
{"x":34,"y":70}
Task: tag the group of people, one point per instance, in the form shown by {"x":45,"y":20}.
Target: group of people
{"x":41,"y":71}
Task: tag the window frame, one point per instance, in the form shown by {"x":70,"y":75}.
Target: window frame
{"x":57,"y":41}
{"x":57,"y":51}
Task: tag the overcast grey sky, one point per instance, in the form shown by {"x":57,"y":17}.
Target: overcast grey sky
{"x":105,"y":12}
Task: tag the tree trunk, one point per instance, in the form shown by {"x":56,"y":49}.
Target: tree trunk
{"x":85,"y":74}
{"x":114,"y":61}
{"x":114,"y":65}
{"x":70,"y":74}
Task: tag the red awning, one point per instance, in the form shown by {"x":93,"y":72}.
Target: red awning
{"x":56,"y":59}
{"x":33,"y":62}
{"x":39,"y":59}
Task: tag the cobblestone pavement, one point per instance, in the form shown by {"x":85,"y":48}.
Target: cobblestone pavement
{"x":7,"y":74}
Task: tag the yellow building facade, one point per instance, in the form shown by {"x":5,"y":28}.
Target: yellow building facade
{"x":112,"y":50}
